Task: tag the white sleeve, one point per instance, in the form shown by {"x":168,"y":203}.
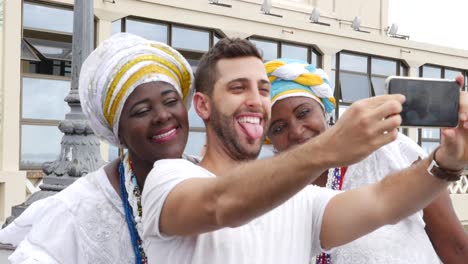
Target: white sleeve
{"x":319,"y":198}
{"x":17,"y":230}
{"x":27,"y":253}
{"x":162,"y":179}
{"x":51,"y":239}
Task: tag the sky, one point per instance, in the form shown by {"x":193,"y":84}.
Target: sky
{"x":432,"y":21}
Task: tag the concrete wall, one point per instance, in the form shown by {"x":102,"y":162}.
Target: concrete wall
{"x":12,"y":181}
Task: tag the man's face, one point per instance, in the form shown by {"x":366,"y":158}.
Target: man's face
{"x":240,"y":106}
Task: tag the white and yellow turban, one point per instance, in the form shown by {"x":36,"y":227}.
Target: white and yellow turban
{"x":290,"y":77}
{"x":121,"y":63}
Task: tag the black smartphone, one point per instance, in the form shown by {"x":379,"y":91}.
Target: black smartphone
{"x":429,"y":102}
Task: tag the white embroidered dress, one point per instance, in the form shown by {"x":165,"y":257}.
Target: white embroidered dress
{"x":402,"y":243}
{"x":83,"y":224}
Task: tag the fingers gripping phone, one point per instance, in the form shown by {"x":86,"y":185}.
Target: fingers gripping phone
{"x":429,"y":102}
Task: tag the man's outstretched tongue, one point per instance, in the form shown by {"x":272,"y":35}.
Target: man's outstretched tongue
{"x":253,"y":131}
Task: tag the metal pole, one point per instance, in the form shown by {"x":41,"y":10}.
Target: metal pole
{"x":80,"y":152}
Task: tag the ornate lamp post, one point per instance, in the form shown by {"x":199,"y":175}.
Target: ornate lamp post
{"x":79,"y":147}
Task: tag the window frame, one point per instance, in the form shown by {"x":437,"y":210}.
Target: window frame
{"x":311,"y":48}
{"x":399,"y":65}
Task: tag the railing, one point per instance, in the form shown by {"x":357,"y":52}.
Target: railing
{"x":459,"y":187}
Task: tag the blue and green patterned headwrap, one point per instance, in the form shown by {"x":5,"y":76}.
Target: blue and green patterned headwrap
{"x":291,"y":77}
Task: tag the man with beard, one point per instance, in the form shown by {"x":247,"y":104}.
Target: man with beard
{"x":232,"y":209}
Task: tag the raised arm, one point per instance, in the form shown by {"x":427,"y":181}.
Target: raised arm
{"x":355,"y":213}
{"x":248,"y":190}
{"x":445,"y":231}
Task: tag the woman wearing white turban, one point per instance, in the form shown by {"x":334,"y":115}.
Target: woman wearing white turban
{"x":135,"y":93}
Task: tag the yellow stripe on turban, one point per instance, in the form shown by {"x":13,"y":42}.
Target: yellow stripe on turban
{"x":120,"y":64}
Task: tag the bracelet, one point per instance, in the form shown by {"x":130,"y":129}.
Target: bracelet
{"x":442,"y":173}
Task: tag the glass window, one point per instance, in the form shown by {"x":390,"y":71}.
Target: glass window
{"x":27,"y":52}
{"x":294,"y":52}
{"x":430,"y":133}
{"x":354,"y":86}
{"x":149,"y":30}
{"x":269,"y":49}
{"x":190,"y":39}
{"x":332,"y":80}
{"x":342,"y":109}
{"x":47,"y":17}
{"x":350,"y":62}
{"x":379,"y":85}
{"x":39,"y":144}
{"x":451,"y":74}
{"x":195,"y":143}
{"x":44,"y":99}
{"x":466,"y":82}
{"x":315,"y":58}
{"x":429,"y":146}
{"x":194,"y":119}
{"x":215,"y":39}
{"x":52,"y":50}
{"x":432,"y":72}
{"x":383,"y":67}
{"x":117,"y":26}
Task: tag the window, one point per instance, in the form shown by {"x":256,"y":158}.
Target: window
{"x":47,"y":18}
{"x":294,"y":52}
{"x":272,"y":50}
{"x":148,"y":30}
{"x":269,"y":49}
{"x":190,"y":39}
{"x":46,"y":53}
{"x":358,"y":76}
{"x":429,"y":138}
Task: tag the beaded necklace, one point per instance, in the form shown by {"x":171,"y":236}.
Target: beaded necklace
{"x":131,"y":200}
{"x":335,"y":182}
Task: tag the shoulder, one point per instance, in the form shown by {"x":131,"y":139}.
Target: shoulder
{"x":167,"y":173}
{"x":92,"y":188}
{"x":176,"y":168}
{"x":314,"y":197}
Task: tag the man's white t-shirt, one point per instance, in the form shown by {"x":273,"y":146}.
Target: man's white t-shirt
{"x":288,"y":234}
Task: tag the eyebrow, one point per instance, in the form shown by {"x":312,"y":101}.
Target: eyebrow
{"x":299,"y":106}
{"x":144,"y":100}
{"x":238,"y":80}
{"x":167,"y":91}
{"x":246,"y":80}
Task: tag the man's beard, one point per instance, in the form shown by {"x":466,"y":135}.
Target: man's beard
{"x":226,"y":133}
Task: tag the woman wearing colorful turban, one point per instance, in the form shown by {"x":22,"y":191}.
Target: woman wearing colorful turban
{"x":302,"y":100}
{"x":135,"y":93}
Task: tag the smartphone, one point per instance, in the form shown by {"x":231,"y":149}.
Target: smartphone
{"x":429,"y":102}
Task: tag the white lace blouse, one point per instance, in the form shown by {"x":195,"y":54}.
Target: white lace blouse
{"x":83,"y":224}
{"x":405,"y":242}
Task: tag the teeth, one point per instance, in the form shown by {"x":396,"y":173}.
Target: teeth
{"x":164,"y":134}
{"x":249,"y":119}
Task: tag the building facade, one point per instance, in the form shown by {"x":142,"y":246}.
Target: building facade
{"x":350,"y":40}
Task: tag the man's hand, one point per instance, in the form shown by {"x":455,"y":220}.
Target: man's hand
{"x":453,"y":152}
{"x":366,"y":125}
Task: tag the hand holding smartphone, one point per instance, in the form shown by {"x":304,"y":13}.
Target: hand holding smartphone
{"x":429,"y":102}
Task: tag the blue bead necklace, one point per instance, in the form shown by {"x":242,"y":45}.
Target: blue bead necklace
{"x":140,"y":257}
